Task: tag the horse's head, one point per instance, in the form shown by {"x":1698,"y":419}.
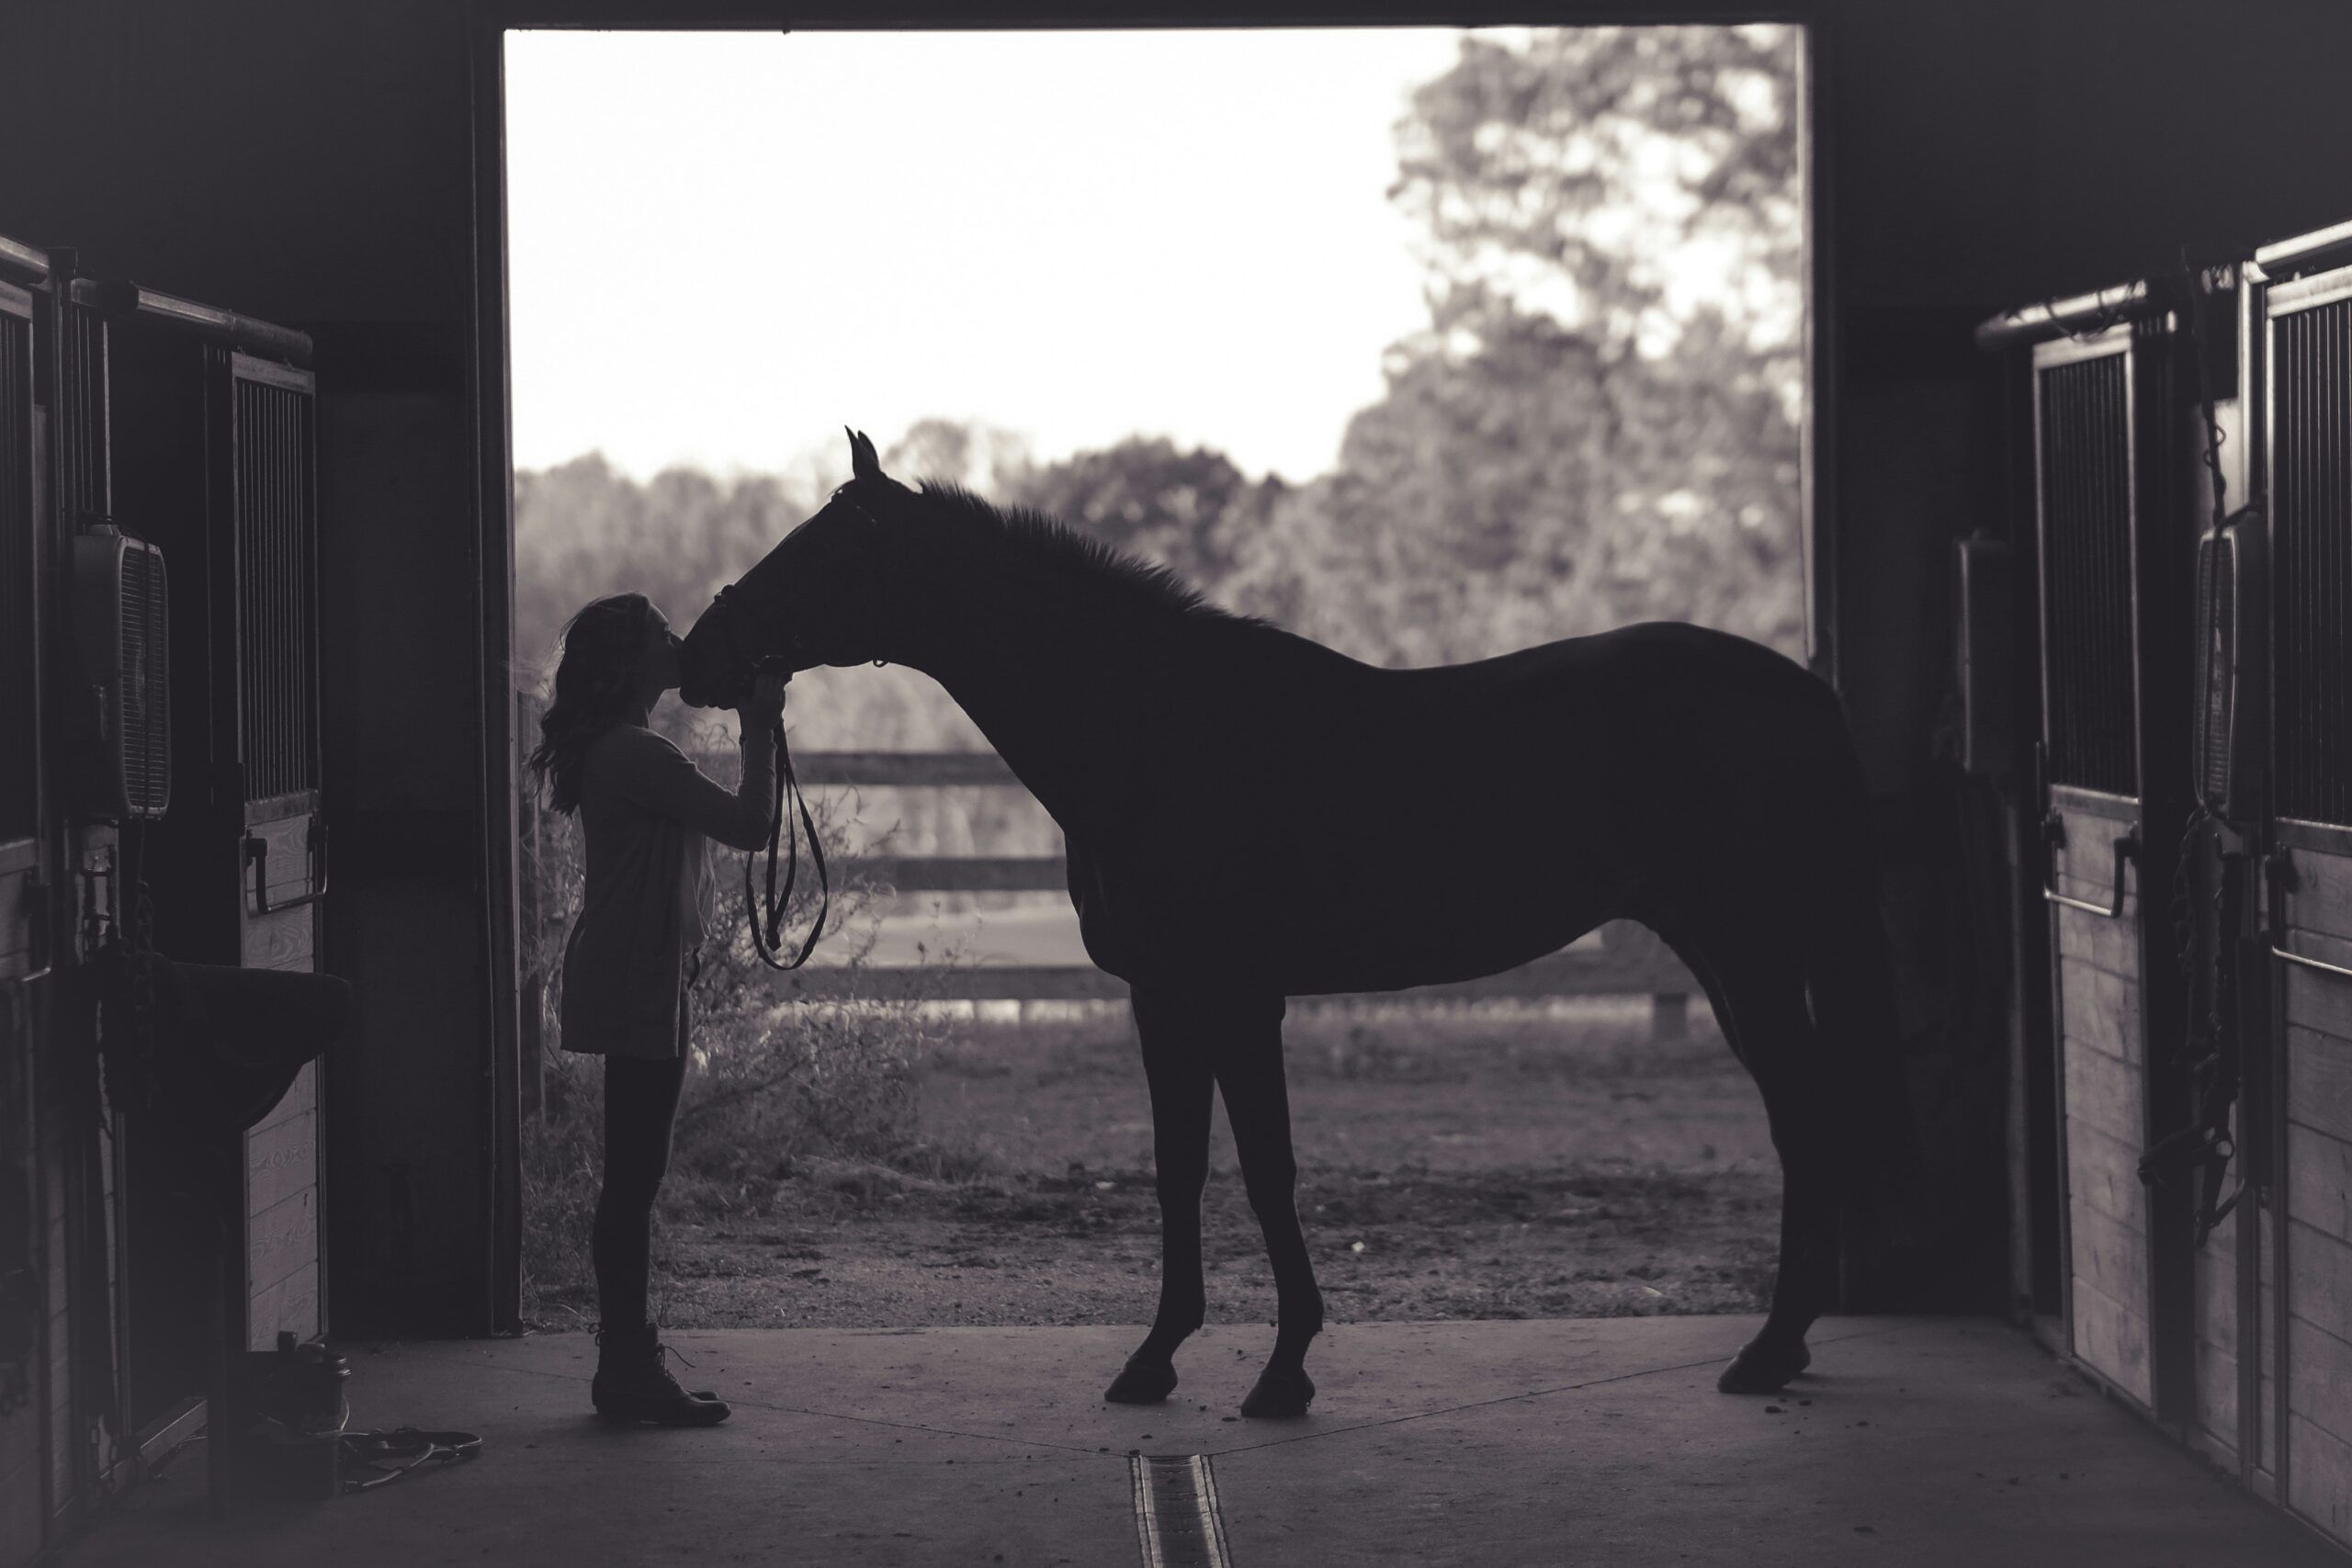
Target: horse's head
{"x":820,"y":597}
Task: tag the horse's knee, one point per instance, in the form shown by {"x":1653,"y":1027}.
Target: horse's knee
{"x":624,"y":1205}
{"x":1273,"y":1186}
{"x":1181,"y":1186}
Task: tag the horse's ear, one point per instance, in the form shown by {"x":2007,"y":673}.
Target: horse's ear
{"x":865,"y":463}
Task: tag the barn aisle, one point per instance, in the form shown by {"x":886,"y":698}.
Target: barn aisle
{"x":1918,"y":1441}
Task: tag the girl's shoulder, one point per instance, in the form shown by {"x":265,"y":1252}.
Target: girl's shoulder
{"x":624,"y":735}
{"x":623,"y":748}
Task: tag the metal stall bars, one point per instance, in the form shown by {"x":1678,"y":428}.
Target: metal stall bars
{"x":81,"y":709}
{"x":213,"y":431}
{"x":2298,"y":311}
{"x":29,"y":1377}
{"x":24,"y":926}
{"x":2110,"y":391}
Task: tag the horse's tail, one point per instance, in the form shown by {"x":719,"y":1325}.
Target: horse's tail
{"x":1850,"y":971}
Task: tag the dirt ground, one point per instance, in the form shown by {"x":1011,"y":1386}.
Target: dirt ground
{"x":1453,"y":1166}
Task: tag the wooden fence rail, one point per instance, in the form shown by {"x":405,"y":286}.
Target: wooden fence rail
{"x":1626,"y":961}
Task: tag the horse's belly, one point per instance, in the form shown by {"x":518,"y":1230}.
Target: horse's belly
{"x":1433,"y":943}
{"x":1381,"y":925}
{"x":1416,"y":880}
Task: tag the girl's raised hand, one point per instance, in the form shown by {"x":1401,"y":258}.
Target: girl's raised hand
{"x":760,"y":714}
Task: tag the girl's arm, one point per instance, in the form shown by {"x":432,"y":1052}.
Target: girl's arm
{"x":653,"y":774}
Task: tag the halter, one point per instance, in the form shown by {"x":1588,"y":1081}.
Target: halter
{"x":767,"y":926}
{"x":768,"y":943}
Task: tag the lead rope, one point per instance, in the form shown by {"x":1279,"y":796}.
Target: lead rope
{"x":767,"y":937}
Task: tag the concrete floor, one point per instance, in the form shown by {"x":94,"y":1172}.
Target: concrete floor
{"x":1925,"y":1442}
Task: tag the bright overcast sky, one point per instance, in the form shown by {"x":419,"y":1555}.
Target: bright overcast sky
{"x":725,"y":246}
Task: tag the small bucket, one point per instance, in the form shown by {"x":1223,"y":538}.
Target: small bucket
{"x":287,"y":1412}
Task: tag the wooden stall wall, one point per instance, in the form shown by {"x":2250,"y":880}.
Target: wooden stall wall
{"x":214,"y":460}
{"x":72,"y":1139}
{"x":2113,"y":635}
{"x":2306,"y":446}
{"x":2103,"y":1053}
{"x":23,"y":910}
{"x":266,"y":483}
{"x":21,"y":1481}
{"x":2317,"y":1016}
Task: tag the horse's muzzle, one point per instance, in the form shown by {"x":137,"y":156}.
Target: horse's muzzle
{"x":702,"y":687}
{"x":703,"y":683}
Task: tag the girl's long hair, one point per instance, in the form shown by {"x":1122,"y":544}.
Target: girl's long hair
{"x":603,"y":647}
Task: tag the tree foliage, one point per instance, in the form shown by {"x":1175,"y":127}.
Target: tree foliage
{"x":1582,"y":435}
{"x":1583,"y":171}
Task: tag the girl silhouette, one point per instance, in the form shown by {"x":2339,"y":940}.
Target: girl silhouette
{"x":645,"y":814}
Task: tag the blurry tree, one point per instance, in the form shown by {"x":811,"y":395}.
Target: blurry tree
{"x":984,"y":458}
{"x":1600,"y":421}
{"x":1611,"y":177}
{"x":1189,"y":511}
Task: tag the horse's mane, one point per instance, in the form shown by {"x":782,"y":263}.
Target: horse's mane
{"x":1046,"y":543}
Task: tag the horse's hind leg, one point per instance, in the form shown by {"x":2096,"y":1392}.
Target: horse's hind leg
{"x":1176,"y":1062}
{"x":1249,"y":1060}
{"x":1761,"y":1006}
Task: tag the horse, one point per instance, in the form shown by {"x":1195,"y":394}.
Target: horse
{"x":1251,"y":815}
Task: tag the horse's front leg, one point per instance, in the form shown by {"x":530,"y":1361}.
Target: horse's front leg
{"x":1256,"y":1105}
{"x":1175,"y":1062}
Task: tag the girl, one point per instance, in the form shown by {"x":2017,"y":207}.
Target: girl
{"x":645,"y":812}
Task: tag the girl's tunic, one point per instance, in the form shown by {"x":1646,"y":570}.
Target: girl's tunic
{"x":646,"y":812}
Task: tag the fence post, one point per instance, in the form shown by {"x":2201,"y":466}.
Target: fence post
{"x":531,"y":983}
{"x":1669,"y":1015}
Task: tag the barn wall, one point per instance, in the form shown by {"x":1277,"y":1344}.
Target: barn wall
{"x":312,"y":165}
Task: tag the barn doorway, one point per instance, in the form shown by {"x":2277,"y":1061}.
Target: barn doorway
{"x":1426,"y":344}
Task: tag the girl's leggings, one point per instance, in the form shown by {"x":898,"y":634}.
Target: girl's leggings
{"x":641,"y":1103}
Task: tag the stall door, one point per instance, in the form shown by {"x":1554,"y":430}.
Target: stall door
{"x":264,"y":486}
{"x":2110,"y":644}
{"x":2309,"y":460}
{"x":24,"y":941}
{"x":22,"y":928}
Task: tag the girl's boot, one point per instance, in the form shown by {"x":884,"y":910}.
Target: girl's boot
{"x":633,"y":1384}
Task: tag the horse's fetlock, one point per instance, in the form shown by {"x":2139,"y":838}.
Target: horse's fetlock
{"x":1180,"y":1315}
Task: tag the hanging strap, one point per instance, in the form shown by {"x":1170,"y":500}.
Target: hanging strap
{"x":2211,"y":1049}
{"x":767,"y":933}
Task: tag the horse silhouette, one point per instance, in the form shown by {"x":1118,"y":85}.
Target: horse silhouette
{"x":1251,"y":815}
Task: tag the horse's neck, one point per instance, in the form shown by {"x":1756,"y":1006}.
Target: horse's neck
{"x":1057,"y":696}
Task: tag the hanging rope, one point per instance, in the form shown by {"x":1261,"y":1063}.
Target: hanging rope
{"x":2209,"y":1052}
{"x":767,"y":927}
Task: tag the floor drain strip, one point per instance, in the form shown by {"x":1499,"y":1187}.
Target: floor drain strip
{"x":1178,"y":1524}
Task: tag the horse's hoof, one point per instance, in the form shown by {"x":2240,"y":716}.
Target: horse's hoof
{"x":1280,"y":1394}
{"x":1760,"y":1368}
{"x":1142,"y":1383}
